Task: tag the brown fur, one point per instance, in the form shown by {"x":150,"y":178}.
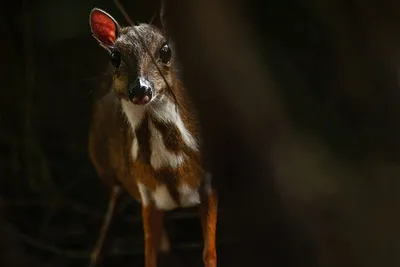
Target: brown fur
{"x":135,"y":60}
{"x":109,"y":143}
{"x":112,"y":135}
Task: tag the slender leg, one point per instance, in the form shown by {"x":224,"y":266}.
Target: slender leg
{"x":208,"y":215}
{"x":153,"y":231}
{"x":164,"y":242}
{"x":164,"y":257}
{"x":95,"y":255}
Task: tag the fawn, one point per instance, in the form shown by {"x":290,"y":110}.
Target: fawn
{"x":152,"y":147}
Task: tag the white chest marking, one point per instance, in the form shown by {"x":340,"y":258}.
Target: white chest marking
{"x":135,"y":149}
{"x":160,"y":156}
{"x":166,"y":111}
{"x":144,"y":194}
{"x":162,"y":198}
{"x":188,"y":196}
{"x":134,"y":113}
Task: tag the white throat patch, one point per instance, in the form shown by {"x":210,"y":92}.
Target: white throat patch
{"x":164,"y":111}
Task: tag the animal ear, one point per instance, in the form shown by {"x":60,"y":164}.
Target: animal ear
{"x":104,"y":27}
{"x":158,"y":20}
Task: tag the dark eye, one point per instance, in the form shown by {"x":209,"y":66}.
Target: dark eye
{"x":165,"y":54}
{"x":115,"y":58}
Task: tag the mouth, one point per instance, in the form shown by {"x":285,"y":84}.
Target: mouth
{"x":142,"y":101}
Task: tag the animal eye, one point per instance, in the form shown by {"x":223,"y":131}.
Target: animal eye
{"x":115,"y":58}
{"x":165,"y":54}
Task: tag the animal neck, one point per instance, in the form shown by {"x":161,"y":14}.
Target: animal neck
{"x":162,"y":110}
{"x":162,"y":129}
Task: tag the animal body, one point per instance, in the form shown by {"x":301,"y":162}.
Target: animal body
{"x":144,"y":134}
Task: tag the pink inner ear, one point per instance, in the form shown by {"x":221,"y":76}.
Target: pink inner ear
{"x":103,"y":27}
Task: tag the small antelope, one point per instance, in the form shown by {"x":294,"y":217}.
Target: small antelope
{"x":152,"y":147}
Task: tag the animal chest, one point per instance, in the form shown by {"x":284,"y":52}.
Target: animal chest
{"x":165,"y":159}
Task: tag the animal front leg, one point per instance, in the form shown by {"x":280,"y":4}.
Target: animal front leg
{"x":114,"y":197}
{"x":153,"y":232}
{"x":208,"y":215}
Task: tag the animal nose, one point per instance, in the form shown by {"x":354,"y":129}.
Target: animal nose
{"x":140,"y":92}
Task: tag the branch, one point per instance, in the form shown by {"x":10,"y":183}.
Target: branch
{"x":116,"y":192}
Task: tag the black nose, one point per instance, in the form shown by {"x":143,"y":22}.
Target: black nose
{"x":140,"y":89}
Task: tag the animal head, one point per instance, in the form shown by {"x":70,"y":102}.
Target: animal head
{"x":135,"y":76}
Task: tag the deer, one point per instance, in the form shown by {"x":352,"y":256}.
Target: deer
{"x":144,"y":134}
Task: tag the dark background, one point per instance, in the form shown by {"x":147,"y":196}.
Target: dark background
{"x":51,"y":199}
{"x":324,"y":193}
